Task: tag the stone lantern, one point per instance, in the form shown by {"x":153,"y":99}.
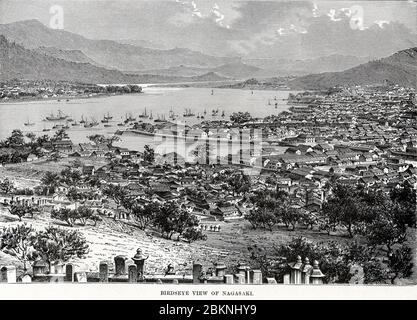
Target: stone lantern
{"x":139,"y":259}
{"x":220,"y":269}
{"x":39,"y":267}
{"x":316,"y":276}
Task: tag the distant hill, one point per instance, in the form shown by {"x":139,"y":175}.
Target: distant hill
{"x":21,"y":63}
{"x":237,"y":70}
{"x":69,"y":55}
{"x":286,"y":67}
{"x":399,"y":68}
{"x":125,"y":57}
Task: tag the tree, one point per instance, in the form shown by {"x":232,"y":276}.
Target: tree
{"x":50,"y":180}
{"x":342,"y":207}
{"x":16,"y":139}
{"x":31,"y":136}
{"x":60,"y":135}
{"x":171,"y":219}
{"x":144,"y":215}
{"x":385,"y":232}
{"x":6,"y":186}
{"x":57,"y":244}
{"x":84,"y":214}
{"x":148,"y":154}
{"x":117,"y":193}
{"x":64,"y":214}
{"x":240,"y":117}
{"x":400,"y":263}
{"x":77,"y":163}
{"x":20,"y":210}
{"x":70,"y":176}
{"x":404,"y":198}
{"x":239,"y":182}
{"x":194,"y":234}
{"x":17,"y":242}
{"x":165,"y":219}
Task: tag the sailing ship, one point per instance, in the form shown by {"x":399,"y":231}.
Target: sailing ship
{"x":212,"y":92}
{"x":75,"y":123}
{"x":160,"y":118}
{"x":91,"y":124}
{"x":104,"y":120}
{"x":172,"y":115}
{"x":121,"y":124}
{"x":108,"y":116}
{"x":28,"y":123}
{"x":151,"y":117}
{"x":188,"y":113}
{"x":59,"y":116}
{"x":144,"y":114}
{"x":82,"y":119}
{"x":129,"y":118}
{"x":223,"y":114}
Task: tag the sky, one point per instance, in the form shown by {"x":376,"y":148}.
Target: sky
{"x":256,"y":29}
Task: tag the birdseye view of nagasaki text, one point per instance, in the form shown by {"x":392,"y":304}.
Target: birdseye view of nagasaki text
{"x":208,"y":142}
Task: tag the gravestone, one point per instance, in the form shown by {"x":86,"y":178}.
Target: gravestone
{"x":132,"y":273}
{"x":228,"y":279}
{"x":240,"y":278}
{"x":80,"y":277}
{"x":103,"y":271}
{"x":256,"y":277}
{"x":69,"y":272}
{"x":26,"y":278}
{"x":120,"y":265}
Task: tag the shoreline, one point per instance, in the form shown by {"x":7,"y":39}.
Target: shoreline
{"x":81,"y":97}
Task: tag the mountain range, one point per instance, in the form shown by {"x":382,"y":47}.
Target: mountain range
{"x":34,"y":64}
{"x":31,"y":50}
{"x":399,"y":68}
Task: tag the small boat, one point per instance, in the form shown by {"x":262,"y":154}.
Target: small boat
{"x":70,"y":120}
{"x":276,"y":105}
{"x":28,"y":123}
{"x":75,"y":123}
{"x":198,"y":116}
{"x":160,"y":119}
{"x":45,"y":129}
{"x":107,"y":125}
{"x":59,"y":116}
{"x":212,"y":92}
{"x":205,"y":112}
{"x":172,"y":115}
{"x":58,"y":126}
{"x":108,"y":116}
{"x":144,"y":114}
{"x":188,"y":113}
{"x":66,"y":127}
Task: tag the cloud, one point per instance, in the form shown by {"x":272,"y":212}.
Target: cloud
{"x":381,"y":23}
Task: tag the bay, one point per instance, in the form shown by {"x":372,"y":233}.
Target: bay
{"x":158,"y":100}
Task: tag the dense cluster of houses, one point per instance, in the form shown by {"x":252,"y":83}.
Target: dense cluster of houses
{"x":361,"y":136}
